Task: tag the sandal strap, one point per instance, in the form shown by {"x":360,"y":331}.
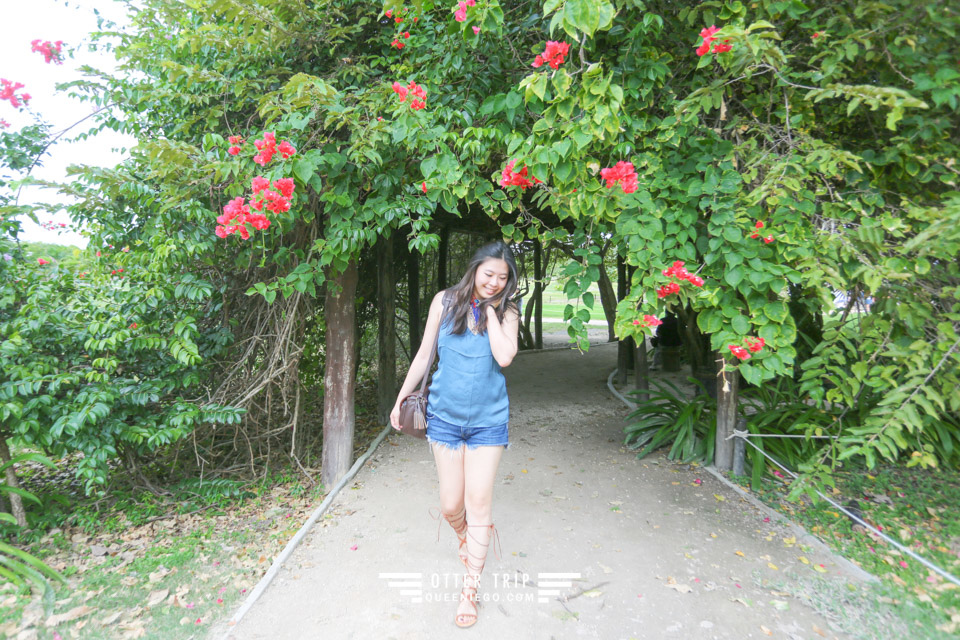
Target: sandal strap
{"x":457,"y":520}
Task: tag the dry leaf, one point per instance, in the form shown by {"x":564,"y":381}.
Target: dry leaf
{"x":73,"y":614}
{"x":820,"y":632}
{"x":741,"y":554}
{"x":110,"y":619}
{"x":681,"y":588}
{"x":772,"y":566}
{"x":719,"y":497}
{"x":156,"y":597}
{"x":765,"y":630}
{"x":803,"y":560}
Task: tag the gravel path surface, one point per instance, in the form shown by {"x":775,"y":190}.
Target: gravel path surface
{"x":651,"y":549}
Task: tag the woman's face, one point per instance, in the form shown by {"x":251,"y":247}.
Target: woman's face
{"x":491,"y":278}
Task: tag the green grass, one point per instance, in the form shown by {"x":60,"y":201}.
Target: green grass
{"x":916,"y":507}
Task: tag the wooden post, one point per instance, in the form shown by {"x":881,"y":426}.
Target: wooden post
{"x":641,"y":372}
{"x":739,"y":449}
{"x":537,"y":294}
{"x":413,"y":289}
{"x":442,"y":258}
{"x":338,"y":378}
{"x":623,"y":352}
{"x":386,"y":319}
{"x":727,"y":384}
{"x":608,"y":302}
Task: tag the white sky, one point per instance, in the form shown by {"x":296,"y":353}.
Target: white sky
{"x":25,"y":21}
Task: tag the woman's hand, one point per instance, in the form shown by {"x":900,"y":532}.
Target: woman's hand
{"x":395,"y":417}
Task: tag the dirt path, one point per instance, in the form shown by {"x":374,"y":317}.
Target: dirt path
{"x":652,"y":553}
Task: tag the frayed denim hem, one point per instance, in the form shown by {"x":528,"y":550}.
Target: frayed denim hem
{"x":458,"y":449}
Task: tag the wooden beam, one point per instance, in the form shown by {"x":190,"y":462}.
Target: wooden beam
{"x":537,"y":294}
{"x":413,"y":306}
{"x":623,"y":348}
{"x":338,"y":379}
{"x":727,"y":384}
{"x":442,"y":259}
{"x":387,"y":329}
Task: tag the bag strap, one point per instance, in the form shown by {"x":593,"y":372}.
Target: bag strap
{"x":433,"y":349}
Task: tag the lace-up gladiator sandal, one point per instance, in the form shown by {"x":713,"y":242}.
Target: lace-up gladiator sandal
{"x":471,"y":579}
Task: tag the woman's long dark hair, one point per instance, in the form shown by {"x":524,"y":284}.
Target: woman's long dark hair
{"x":463,"y":291}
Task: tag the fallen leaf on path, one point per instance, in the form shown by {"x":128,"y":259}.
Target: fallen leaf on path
{"x":741,"y":601}
{"x":605,"y":568}
{"x":789,"y":542}
{"x":719,"y":497}
{"x":819,"y":568}
{"x":772,"y":566}
{"x":673,"y":584}
{"x":803,"y":560}
{"x":110,"y":619}
{"x":780,"y":605}
{"x":73,"y":614}
{"x":765,"y":630}
{"x":592,"y":593}
{"x":820,"y":632}
{"x":741,"y":554}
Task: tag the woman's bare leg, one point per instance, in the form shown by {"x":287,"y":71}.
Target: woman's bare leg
{"x":479,"y":473}
{"x":450,"y":474}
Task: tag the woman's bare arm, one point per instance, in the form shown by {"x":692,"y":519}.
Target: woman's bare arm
{"x":503,"y":337}
{"x":419,"y":363}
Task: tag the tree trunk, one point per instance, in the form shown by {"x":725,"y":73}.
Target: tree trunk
{"x":726,"y":415}
{"x":386,"y":321}
{"x":16,"y":502}
{"x":413,"y":307}
{"x":338,"y":379}
{"x":442,"y":258}
{"x":538,"y":294}
{"x":609,"y":302}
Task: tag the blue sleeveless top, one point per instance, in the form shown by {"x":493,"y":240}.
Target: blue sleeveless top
{"x":468,"y":388}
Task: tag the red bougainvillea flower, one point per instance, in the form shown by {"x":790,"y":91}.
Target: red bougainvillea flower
{"x":424,"y":187}
{"x":768,"y":240}
{"x":406,"y":35}
{"x":511,"y":178}
{"x":396,"y":43}
{"x":50,"y":50}
{"x":759,"y":225}
{"x":668,"y":289}
{"x":816,"y":34}
{"x":553,"y":54}
{"x":649,"y":321}
{"x":235,"y":140}
{"x":234,"y":151}
{"x":722,"y":47}
{"x":41,"y":261}
{"x":677,"y":270}
{"x":133,"y":326}
{"x":398,"y":19}
{"x":258,"y":184}
{"x":389,"y":13}
{"x":476,"y":30}
{"x":696,"y":281}
{"x":285,"y":186}
{"x":286,"y":149}
{"x":754,"y":344}
{"x":9,"y":92}
{"x":739,"y":352}
{"x":623,"y":174}
{"x":4,"y":124}
{"x":708,"y":37}
{"x":418,"y":101}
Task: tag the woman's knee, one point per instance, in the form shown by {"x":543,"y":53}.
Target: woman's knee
{"x":478,"y":506}
{"x":451,"y":505}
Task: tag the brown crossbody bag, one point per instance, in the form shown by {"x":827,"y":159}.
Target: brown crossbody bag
{"x":413,"y":409}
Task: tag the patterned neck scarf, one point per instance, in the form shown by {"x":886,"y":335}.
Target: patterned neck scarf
{"x":475,"y":307}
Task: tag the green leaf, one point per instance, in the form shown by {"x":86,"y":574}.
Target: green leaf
{"x":734,"y":276}
{"x":741,"y":325}
{"x":583,"y":15}
{"x":428,"y":166}
{"x":304,"y":168}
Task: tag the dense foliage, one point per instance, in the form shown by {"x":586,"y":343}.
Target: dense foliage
{"x":781,"y":153}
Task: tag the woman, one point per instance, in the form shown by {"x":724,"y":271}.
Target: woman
{"x":468,"y":408}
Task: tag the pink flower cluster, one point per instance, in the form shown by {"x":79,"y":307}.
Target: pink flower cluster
{"x":237,"y":213}
{"x":235,"y":142}
{"x":268,"y":148}
{"x":418,"y":93}
{"x":511,"y":178}
{"x":50,"y":225}
{"x":460,"y":15}
{"x":622,"y":173}
{"x":649,"y":321}
{"x":756,"y":234}
{"x":553,"y":54}
{"x":754,"y":345}
{"x":50,"y":50}
{"x":708,"y":38}
{"x":9,"y":92}
{"x":4,"y":124}
{"x":678,"y":271}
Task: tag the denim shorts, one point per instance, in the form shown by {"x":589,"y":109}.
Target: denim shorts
{"x":453,"y":436}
